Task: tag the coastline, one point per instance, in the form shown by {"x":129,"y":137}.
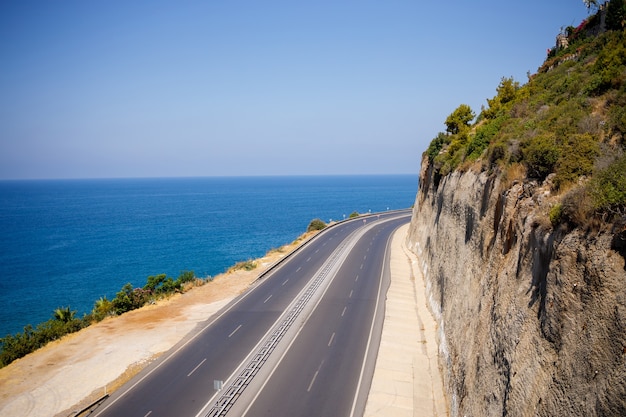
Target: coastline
{"x":69,"y":374}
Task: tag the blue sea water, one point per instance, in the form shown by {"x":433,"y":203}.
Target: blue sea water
{"x":70,"y":242}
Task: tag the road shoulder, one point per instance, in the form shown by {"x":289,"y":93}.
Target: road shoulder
{"x":407,"y":378}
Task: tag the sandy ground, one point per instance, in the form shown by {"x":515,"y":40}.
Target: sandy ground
{"x":69,"y":374}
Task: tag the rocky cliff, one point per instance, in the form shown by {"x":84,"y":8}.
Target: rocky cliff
{"x":532,"y":319}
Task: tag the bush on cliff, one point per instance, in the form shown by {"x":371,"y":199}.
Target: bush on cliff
{"x":565,"y":120}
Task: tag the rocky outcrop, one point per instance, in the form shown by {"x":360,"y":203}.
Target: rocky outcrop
{"x":532,"y":320}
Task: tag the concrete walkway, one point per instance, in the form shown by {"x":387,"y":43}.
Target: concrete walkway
{"x":407,"y":380}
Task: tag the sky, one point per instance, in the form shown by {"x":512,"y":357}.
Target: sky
{"x":109,"y":89}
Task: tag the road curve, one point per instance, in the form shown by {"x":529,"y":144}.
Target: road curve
{"x":193,"y":375}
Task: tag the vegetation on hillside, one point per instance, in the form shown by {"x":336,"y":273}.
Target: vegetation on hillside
{"x":567,"y":124}
{"x":64,"y":320}
{"x":316,"y":224}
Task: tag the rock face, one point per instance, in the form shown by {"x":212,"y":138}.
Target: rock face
{"x":532,"y":321}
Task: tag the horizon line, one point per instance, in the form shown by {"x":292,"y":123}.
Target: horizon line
{"x":204,"y":176}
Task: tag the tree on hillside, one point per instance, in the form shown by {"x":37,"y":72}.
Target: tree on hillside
{"x":506,"y":93}
{"x":459,"y":119}
{"x":590,"y":3}
{"x":64,"y":314}
{"x":616,"y":15}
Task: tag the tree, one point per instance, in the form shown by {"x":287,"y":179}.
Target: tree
{"x":102,"y":308}
{"x":64,"y":314}
{"x":506,"y":92}
{"x":616,"y":15}
{"x":590,"y":3}
{"x":459,"y":119}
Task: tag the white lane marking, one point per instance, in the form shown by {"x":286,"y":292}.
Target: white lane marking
{"x":351,"y":291}
{"x":197,"y":366}
{"x":314,"y":376}
{"x":267,"y":299}
{"x":361,"y":266}
{"x":356,"y":279}
{"x":149,"y":412}
{"x":369,"y":339}
{"x":331,"y":339}
{"x":365,"y":257}
{"x":308,"y":259}
{"x":299,"y":268}
{"x":285,"y":281}
{"x":235,"y":331}
{"x":317,"y":251}
{"x":344,"y":311}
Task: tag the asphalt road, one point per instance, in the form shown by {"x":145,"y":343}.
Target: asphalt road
{"x":322,"y":367}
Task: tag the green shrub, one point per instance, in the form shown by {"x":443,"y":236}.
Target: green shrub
{"x":185,"y":277}
{"x":102,"y":308}
{"x":541,"y":156}
{"x":556,"y":212}
{"x":608,"y":187}
{"x":248,"y":265}
{"x":316,"y":224}
{"x":162,"y":285}
{"x":354,"y":214}
{"x":129,"y":298}
{"x":577,"y":159}
{"x":483,"y":137}
{"x":608,"y":70}
{"x":436,"y":145}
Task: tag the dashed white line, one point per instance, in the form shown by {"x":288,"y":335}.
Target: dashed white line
{"x":317,"y":251}
{"x":285,"y":281}
{"x":331,"y":339}
{"x":235,"y":331}
{"x":361,"y":266}
{"x":192,"y":371}
{"x":299,"y":268}
{"x":344,"y":311}
{"x":314,"y":376}
{"x":149,"y":412}
{"x":356,"y":279}
{"x":351,"y":291}
{"x":365,"y":257}
{"x":308,"y":259}
{"x":267,"y":299}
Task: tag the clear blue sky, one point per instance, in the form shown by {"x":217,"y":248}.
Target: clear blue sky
{"x":202,"y":88}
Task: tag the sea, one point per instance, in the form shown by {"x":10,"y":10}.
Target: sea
{"x":66,"y":243}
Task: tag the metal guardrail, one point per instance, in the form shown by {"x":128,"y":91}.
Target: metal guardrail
{"x":91,"y":406}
